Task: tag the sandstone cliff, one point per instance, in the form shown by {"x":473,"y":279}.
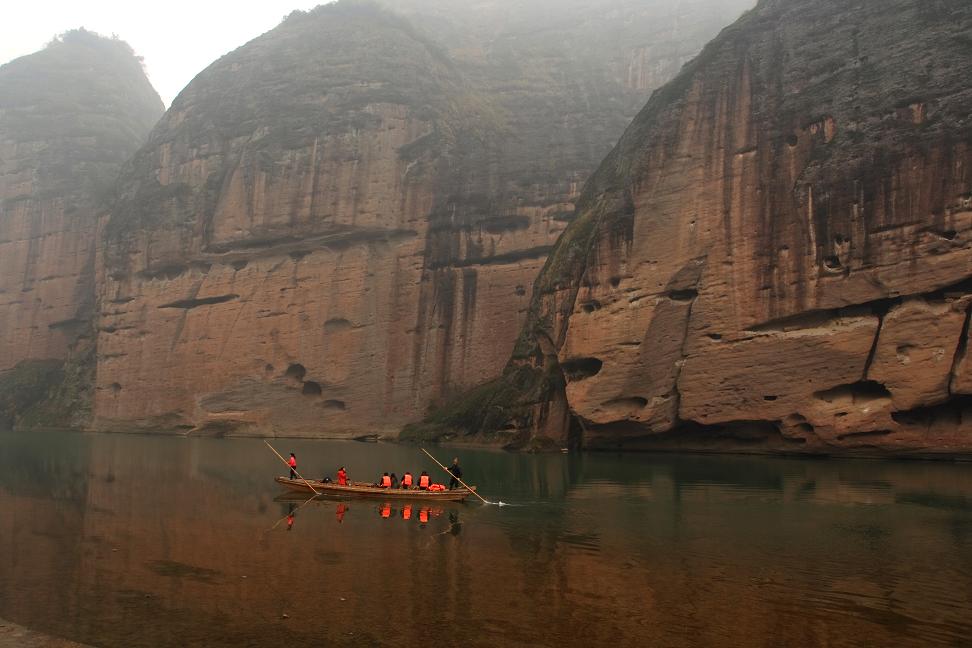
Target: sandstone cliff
{"x":70,"y":115}
{"x":338,"y":223}
{"x":775,"y":257}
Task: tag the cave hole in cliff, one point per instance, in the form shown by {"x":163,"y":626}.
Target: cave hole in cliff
{"x":832,"y":263}
{"x":865,"y":391}
{"x":115,"y":387}
{"x":792,"y":140}
{"x":336,"y":405}
{"x":953,"y":412}
{"x":630,"y":402}
{"x":770,"y":398}
{"x":591,"y":306}
{"x":337,"y":324}
{"x":580,"y":368}
{"x":715,"y":337}
{"x":296,"y":371}
{"x":520,"y":291}
{"x":311,"y":388}
{"x":686,"y":295}
{"x":615,"y":282}
{"x":948,"y":235}
{"x":239,"y":265}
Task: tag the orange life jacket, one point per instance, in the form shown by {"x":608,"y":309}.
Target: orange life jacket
{"x":407,"y":479}
{"x":385,"y":481}
{"x":424,"y":481}
{"x":293,"y":462}
{"x":342,"y":478}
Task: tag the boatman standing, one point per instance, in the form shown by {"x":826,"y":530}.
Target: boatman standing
{"x":293,"y":465}
{"x":456,"y":474}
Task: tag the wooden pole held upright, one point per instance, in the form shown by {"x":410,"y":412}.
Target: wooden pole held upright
{"x":306,"y":483}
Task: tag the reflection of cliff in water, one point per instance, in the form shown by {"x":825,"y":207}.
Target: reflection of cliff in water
{"x":175,"y":547}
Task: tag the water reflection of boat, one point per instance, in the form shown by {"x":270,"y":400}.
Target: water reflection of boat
{"x":367,"y":490}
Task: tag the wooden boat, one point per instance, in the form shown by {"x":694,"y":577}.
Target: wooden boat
{"x":358,"y":489}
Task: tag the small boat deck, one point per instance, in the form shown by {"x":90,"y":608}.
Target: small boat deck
{"x":358,"y":489}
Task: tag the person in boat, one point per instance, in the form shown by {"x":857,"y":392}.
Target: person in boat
{"x":292,"y":462}
{"x":424,"y":481}
{"x":385,"y":481}
{"x":406,"y":480}
{"x":456,"y":473}
{"x":342,"y":476}
{"x":394,"y":481}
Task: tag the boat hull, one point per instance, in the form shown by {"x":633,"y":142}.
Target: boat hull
{"x":368,"y":491}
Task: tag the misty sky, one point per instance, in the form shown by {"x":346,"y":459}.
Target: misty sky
{"x":178,"y":39}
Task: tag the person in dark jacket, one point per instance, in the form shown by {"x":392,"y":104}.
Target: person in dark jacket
{"x":456,"y":474}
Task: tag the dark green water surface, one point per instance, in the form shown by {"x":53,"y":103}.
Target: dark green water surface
{"x":118,"y":540}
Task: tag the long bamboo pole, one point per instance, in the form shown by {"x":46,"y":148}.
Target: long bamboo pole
{"x":306,"y":483}
{"x":457,"y":479}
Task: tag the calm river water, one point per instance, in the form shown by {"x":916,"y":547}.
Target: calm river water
{"x":118,"y":540}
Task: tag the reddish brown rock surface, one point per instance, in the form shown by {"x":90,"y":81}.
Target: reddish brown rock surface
{"x":70,"y":115}
{"x":777,"y":255}
{"x":338,"y":223}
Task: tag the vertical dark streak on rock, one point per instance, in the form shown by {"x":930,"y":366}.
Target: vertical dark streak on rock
{"x":961,"y":349}
{"x":676,"y":392}
{"x":874,"y":346}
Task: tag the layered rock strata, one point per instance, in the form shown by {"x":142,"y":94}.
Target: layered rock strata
{"x":333,"y":227}
{"x":777,"y":255}
{"x":70,"y":115}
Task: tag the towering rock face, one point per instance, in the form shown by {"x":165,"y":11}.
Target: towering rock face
{"x":70,"y":116}
{"x":334,"y":226}
{"x":777,"y":255}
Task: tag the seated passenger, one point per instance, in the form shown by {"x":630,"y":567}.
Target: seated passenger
{"x":424,"y":481}
{"x":406,"y":479}
{"x":385,"y":481}
{"x":342,"y":477}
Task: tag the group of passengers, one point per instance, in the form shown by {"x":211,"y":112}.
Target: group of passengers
{"x":392,"y":481}
{"x":407,"y":481}
{"x":424,"y":481}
